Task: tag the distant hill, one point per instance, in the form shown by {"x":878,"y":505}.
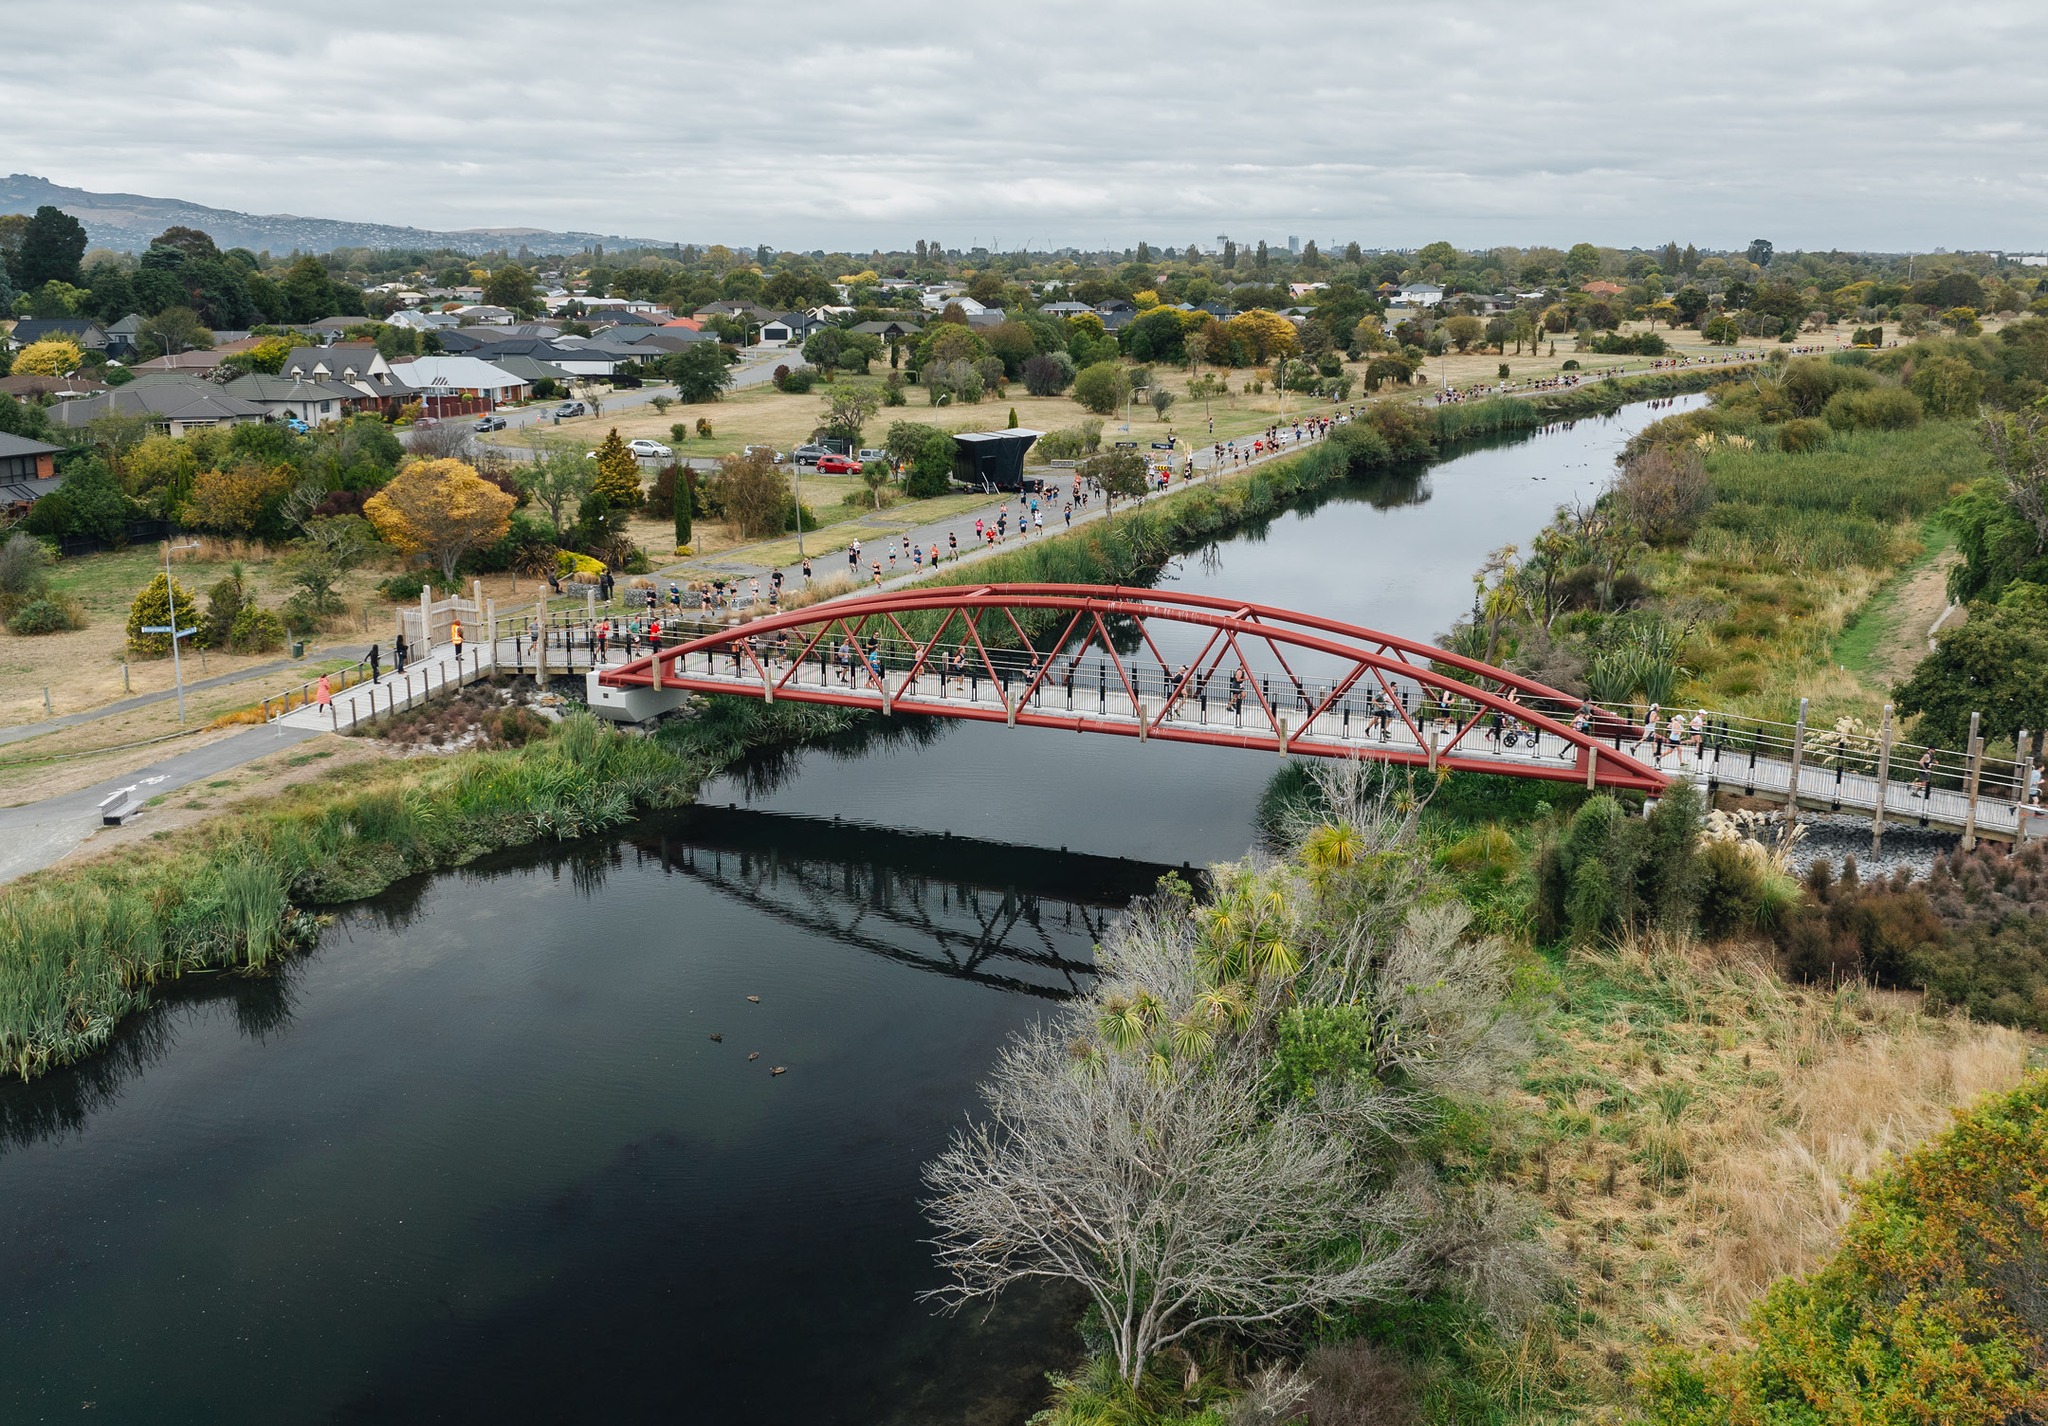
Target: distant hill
{"x":127,"y":221}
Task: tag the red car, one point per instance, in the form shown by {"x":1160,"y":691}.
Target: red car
{"x":837,"y":465}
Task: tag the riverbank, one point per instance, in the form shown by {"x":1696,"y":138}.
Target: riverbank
{"x":82,"y":948}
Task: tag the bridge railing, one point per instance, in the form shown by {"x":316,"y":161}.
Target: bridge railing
{"x":1844,"y":751}
{"x":1731,"y":747}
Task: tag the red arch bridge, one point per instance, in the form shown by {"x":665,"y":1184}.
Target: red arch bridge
{"x":1176,"y":667}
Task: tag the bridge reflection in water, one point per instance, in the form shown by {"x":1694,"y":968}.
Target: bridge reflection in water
{"x":1014,"y":918}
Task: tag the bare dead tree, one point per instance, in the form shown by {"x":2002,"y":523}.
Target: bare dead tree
{"x":445,"y":440}
{"x":1171,"y":1194}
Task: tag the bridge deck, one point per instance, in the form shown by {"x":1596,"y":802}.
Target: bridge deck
{"x":1346,"y":728}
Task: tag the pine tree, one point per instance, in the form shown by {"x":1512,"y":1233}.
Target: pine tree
{"x":685,"y":500}
{"x":618,"y":474}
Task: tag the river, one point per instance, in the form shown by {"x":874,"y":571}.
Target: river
{"x":508,"y":1142}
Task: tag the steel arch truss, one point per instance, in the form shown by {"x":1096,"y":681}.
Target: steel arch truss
{"x":1153,"y":664}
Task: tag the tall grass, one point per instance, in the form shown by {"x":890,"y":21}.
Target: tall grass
{"x":1880,"y":476}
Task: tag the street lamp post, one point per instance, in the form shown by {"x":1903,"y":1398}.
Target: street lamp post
{"x":171,"y":594}
{"x":796,"y":491}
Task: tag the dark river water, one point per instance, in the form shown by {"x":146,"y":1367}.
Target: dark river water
{"x":479,"y":1157}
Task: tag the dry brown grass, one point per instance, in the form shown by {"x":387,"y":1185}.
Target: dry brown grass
{"x":1701,"y":1126}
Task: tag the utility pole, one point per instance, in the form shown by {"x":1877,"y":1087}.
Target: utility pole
{"x":171,"y":594}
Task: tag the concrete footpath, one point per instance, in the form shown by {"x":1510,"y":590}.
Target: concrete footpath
{"x":43,"y":833}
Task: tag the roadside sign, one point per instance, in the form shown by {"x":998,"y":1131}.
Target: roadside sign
{"x":166,"y":628}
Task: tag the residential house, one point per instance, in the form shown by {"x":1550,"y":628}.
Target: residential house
{"x":121,"y":336}
{"x":790,"y":329}
{"x":483,"y":314}
{"x":89,"y":335}
{"x":1601,"y":287}
{"x":50,"y":388}
{"x":423,"y":321}
{"x":744,"y":311}
{"x":1420,"y":294}
{"x":1116,"y":314}
{"x":532,"y":370}
{"x":987,"y":317}
{"x":173,"y":404}
{"x":315,"y":402}
{"x":198,"y":362}
{"x":1302,"y":289}
{"x":889,"y":331}
{"x":28,"y":472}
{"x":1065,"y":309}
{"x":457,"y":385}
{"x":576,"y":356}
{"x":357,"y":364}
{"x":934,"y":302}
{"x":654,"y":343}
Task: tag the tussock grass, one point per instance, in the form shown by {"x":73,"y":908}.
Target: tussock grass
{"x":1701,"y":1124}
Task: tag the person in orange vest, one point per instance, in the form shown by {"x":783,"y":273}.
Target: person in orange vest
{"x":455,"y":638}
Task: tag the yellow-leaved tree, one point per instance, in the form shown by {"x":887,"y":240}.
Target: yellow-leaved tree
{"x":52,"y":356}
{"x":440,"y":510}
{"x":618,"y":474}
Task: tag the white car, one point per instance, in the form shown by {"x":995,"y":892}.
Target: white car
{"x":649,"y":448}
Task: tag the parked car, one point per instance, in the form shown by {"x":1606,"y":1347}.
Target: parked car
{"x":489,"y":423}
{"x":296,"y":426}
{"x":838,"y":465}
{"x":773,"y":454}
{"x":808,"y":454}
{"x":649,"y":449}
{"x":572,"y":408}
{"x":868,"y":453}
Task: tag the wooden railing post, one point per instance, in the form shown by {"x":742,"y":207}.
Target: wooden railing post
{"x":2021,"y":765}
{"x":1970,"y":791}
{"x":1884,"y":780}
{"x":1798,"y":757}
{"x":540,"y":640}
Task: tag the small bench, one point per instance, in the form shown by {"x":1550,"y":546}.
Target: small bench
{"x":119,"y":806}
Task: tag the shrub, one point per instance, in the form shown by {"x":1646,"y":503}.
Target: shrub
{"x":1100,"y":388}
{"x":1932,"y":1309}
{"x":1048,"y":374}
{"x":256,"y":631}
{"x":796,"y":380}
{"x":45,"y":615}
{"x":1804,"y":434}
{"x":152,"y":608}
{"x":1074,"y":442}
{"x":1886,"y":408}
{"x":570,"y":565}
{"x":402,"y":587}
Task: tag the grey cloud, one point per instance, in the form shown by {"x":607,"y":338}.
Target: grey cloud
{"x":1882,"y":124}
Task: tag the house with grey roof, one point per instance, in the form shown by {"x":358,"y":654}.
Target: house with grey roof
{"x":89,"y":335}
{"x":122,"y":334}
{"x":315,"y":402}
{"x":173,"y":405}
{"x":28,"y":470}
{"x":355,"y":364}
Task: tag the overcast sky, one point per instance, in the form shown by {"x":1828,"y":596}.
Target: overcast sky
{"x":1888,"y":124}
